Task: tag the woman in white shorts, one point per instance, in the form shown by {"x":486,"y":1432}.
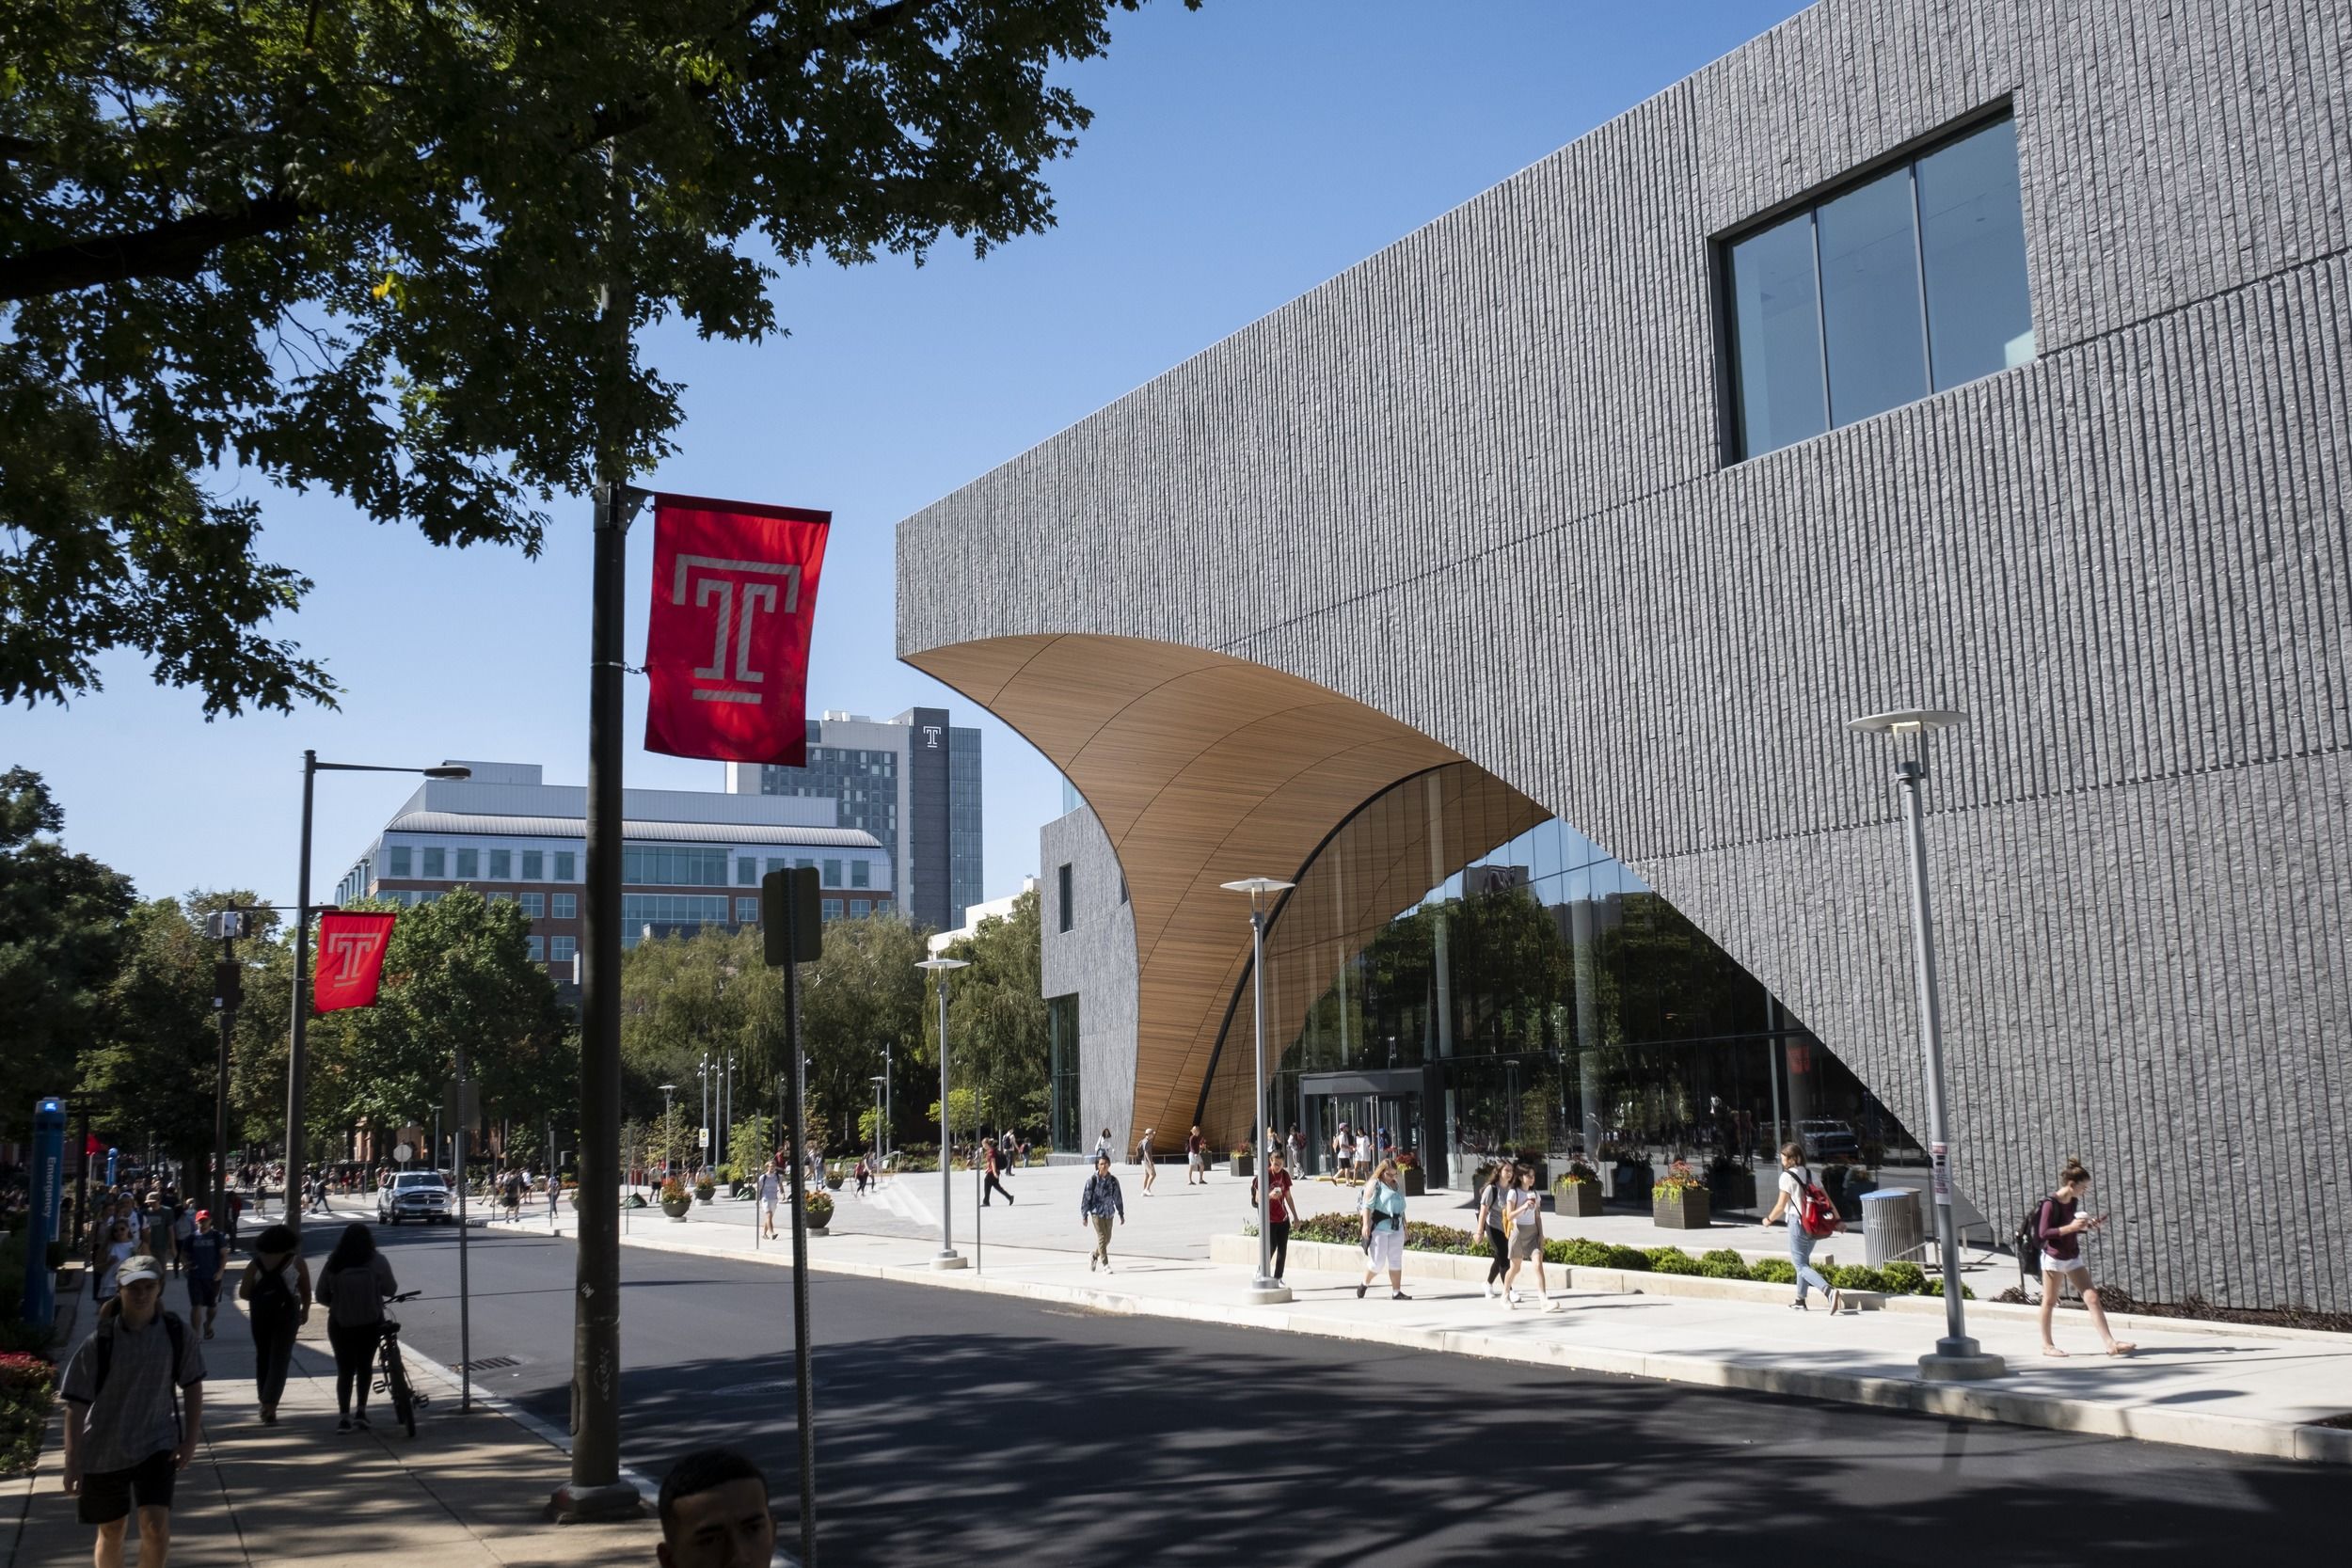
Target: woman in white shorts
{"x":1382,"y":1208}
{"x":2059,"y":1228}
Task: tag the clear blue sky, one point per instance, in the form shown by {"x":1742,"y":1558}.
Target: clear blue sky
{"x":1239,"y":156}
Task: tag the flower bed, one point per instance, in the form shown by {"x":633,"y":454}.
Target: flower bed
{"x":28,"y":1384}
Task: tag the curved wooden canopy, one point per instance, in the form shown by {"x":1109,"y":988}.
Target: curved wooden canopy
{"x":1203,"y":770}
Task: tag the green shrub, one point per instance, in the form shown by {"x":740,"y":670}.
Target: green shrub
{"x":1633,"y":1259}
{"x":1578,"y":1253}
{"x":1774,"y":1271}
{"x":1856,"y":1277}
{"x":1905,"y":1279}
{"x":1724,"y":1264}
{"x":1671,"y":1259}
{"x":1935,"y":1288}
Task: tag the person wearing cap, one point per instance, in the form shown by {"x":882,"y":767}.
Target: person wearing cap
{"x":276,"y":1291}
{"x":134,"y":1412}
{"x":207,"y":1253}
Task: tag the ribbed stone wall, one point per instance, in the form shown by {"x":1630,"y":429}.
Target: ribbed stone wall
{"x":1476,"y":483}
{"x":1095,"y":961}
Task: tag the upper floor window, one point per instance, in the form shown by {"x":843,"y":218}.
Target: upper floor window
{"x":534,"y":906}
{"x":435,"y":864}
{"x":1909,"y":282}
{"x":398,"y":855}
{"x":861,"y":874}
{"x":501,"y":865}
{"x":566,"y":866}
{"x":747,"y":872}
{"x":567,"y":906}
{"x":468,"y":864}
{"x":534,"y":865}
{"x":1062,"y":888}
{"x":832,"y":873}
{"x":662,"y":865}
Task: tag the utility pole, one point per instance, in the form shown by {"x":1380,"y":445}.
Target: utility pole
{"x":227,"y":991}
{"x":596,"y":1490}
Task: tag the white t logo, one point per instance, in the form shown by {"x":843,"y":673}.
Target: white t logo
{"x":350,"y":949}
{"x":714,"y":580}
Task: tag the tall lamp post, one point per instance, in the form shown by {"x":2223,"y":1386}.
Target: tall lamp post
{"x":1264,"y":1289}
{"x":888,"y":1104}
{"x":1957,"y":1357}
{"x":296,"y":1069}
{"x":879,"y":1082}
{"x":668,"y":1129}
{"x":947,"y":1258}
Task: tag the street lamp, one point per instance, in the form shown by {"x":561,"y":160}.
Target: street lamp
{"x":947,"y":1258}
{"x":878,"y":1081}
{"x":887,"y":1103}
{"x":296,"y":1067}
{"x":1957,"y":1357}
{"x":1266,"y":1290}
{"x":669,"y":1130}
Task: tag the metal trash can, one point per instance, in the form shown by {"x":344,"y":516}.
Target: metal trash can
{"x":1891,"y":1226}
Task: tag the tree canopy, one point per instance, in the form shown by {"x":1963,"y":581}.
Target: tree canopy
{"x":363,"y":249}
{"x":62,"y":935}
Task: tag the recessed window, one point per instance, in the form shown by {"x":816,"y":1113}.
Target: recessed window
{"x":861,"y":908}
{"x":534,"y":865}
{"x":398,"y":856}
{"x":861,"y":874}
{"x":436,"y":864}
{"x":832,"y":873}
{"x":501,"y":865}
{"x":566,"y":866}
{"x":566,"y":906}
{"x":468,"y":864}
{"x":1061,"y":887}
{"x":1908,"y":282}
{"x":562,"y":948}
{"x":829,"y":909}
{"x":747,"y":873}
{"x":536,"y":949}
{"x":534,"y":906}
{"x":747,"y":912}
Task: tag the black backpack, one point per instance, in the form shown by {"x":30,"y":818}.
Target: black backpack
{"x":2026,"y":1238}
{"x":103,"y":1359}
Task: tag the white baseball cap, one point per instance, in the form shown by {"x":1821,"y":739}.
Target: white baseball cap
{"x":138,"y":1268}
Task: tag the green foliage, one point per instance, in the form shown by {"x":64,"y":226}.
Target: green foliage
{"x":819,"y":1204}
{"x":963,"y":1111}
{"x":752,"y":1141}
{"x":999,"y":1043}
{"x":28,"y":1385}
{"x":1856,"y":1277}
{"x":1724,"y":1264}
{"x":1904,"y":1278}
{"x":61,"y":936}
{"x":1670,"y":1259}
{"x":359,"y":250}
{"x":1774,"y":1271}
{"x":1631,"y":1260}
{"x":1578,"y":1253}
{"x":1935,"y":1288}
{"x":153,"y":1075}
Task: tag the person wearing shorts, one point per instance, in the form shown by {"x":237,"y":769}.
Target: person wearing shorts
{"x":207,"y":1252}
{"x":1195,"y":1158}
{"x":1523,"y":1218}
{"x":771,"y":1189}
{"x":134,"y":1412}
{"x":2060,"y":1229}
{"x":1383,"y":1210}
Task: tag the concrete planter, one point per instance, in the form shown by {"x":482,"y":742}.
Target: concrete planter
{"x":676,"y":1209}
{"x":1416,"y":1182}
{"x":1577,"y":1199}
{"x":1685,"y":1209}
{"x":1242,"y":1166}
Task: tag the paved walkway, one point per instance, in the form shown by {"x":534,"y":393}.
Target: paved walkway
{"x":2240,"y":1391}
{"x":466,"y":1493}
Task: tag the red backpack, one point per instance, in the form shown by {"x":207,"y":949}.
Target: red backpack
{"x":1815,"y":1211}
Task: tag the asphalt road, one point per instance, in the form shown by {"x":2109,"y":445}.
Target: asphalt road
{"x":951,"y":1422}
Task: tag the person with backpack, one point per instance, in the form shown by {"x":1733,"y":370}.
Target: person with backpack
{"x":1523,"y":1214}
{"x":1383,"y":1210}
{"x":1098,"y":1201}
{"x":1492,"y":1198}
{"x":276,"y":1290}
{"x":134,"y":1412}
{"x":1811,"y":1216}
{"x":1278,"y":1213}
{"x":355,"y":1285}
{"x":1147,"y":1160}
{"x":993,"y":1162}
{"x":2059,"y":1226}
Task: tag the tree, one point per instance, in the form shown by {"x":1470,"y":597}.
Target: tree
{"x":61,"y":936}
{"x":998,"y":1033}
{"x":865,"y":993}
{"x":362,"y":249}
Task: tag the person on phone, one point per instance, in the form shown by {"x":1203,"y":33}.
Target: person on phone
{"x":1492,"y":1200}
{"x":2061,"y":1227}
{"x":1278,"y":1210}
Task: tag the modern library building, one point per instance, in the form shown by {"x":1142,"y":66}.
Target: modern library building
{"x":1510,"y":594}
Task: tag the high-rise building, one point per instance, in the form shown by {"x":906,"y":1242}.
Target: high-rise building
{"x":912,"y":782}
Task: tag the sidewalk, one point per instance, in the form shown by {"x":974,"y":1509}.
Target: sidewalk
{"x":2249,"y":1391}
{"x":466,"y":1493}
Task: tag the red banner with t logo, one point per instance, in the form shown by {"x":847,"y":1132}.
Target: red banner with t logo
{"x":734,"y":600}
{"x":351,"y":959}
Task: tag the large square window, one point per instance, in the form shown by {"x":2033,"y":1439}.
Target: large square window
{"x":436,"y":864}
{"x":567,"y":906}
{"x":468,"y":864}
{"x":398,"y":857}
{"x":861,"y":874}
{"x":501,"y":865}
{"x":534,"y":865}
{"x":566,"y":866}
{"x":1907,"y":282}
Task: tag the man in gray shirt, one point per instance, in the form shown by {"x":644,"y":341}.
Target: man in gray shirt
{"x":134,"y":1409}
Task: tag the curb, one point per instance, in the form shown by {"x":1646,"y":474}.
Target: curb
{"x":1965,"y":1402}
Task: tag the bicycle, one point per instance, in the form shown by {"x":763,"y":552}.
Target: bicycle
{"x":393,"y":1380}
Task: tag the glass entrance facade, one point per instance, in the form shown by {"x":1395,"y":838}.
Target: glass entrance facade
{"x":1540,"y":1000}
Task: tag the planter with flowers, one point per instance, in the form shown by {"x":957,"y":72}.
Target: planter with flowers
{"x":705,"y":1188}
{"x":1408,"y":1169}
{"x":1679,"y":1199}
{"x":676,"y":1200}
{"x":1241,"y":1163}
{"x":1577,"y":1193}
{"x":819,"y":1203}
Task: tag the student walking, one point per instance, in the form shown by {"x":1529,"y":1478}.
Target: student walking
{"x":207,"y":1254}
{"x":1195,"y":1158}
{"x":133,"y":1413}
{"x":276,"y":1290}
{"x":1342,"y":1152}
{"x":1383,"y":1210}
{"x":1493,"y":1198}
{"x":555,"y":1196}
{"x":994,"y":1162}
{"x":116,"y":1250}
{"x":1098,"y":1202}
{"x":1278,"y":1214}
{"x":1144,"y":1158}
{"x":1363,"y":1153}
{"x":1103,"y":1145}
{"x":770,"y":1193}
{"x":2060,"y":1227}
{"x":1523,"y":1209}
{"x":1810,"y":1218}
{"x":355,"y":1284}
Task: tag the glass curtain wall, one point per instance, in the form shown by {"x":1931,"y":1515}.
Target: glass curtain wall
{"x":1540,"y":999}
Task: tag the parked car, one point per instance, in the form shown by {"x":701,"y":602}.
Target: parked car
{"x":413,"y":1195}
{"x":1824,"y":1139}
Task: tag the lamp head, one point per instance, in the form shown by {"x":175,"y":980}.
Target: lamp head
{"x":941,"y":966}
{"x":1908,"y":722}
{"x":1256,"y":887}
{"x":448,"y":770}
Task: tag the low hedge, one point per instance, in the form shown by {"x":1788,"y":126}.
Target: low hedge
{"x":28,"y":1384}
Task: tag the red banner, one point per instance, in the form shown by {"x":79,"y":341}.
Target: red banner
{"x":351,"y":959}
{"x":734,"y":600}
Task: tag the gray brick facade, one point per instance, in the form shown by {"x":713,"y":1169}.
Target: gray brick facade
{"x":1477,"y":482}
{"x":1095,"y":961}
